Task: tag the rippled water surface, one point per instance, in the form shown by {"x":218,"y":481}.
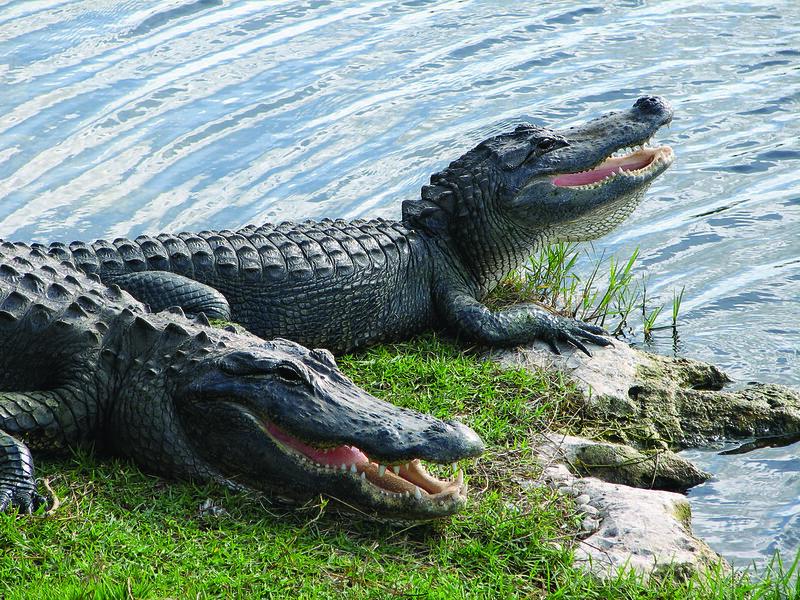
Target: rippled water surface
{"x":125,"y":117}
{"x":750,"y":509}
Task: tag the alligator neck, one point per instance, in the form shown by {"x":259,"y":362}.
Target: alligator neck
{"x":491,"y":257}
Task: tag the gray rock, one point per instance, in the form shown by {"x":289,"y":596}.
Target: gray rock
{"x":658,"y":401}
{"x":648,"y":531}
{"x":617,"y":463}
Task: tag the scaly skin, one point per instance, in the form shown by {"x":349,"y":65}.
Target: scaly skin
{"x":85,"y":363}
{"x":344,"y":285}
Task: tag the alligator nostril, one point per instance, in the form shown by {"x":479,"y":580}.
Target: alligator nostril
{"x":650,"y":103}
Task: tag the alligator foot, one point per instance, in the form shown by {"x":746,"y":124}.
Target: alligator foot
{"x":22,"y":495}
{"x":572,"y":331}
{"x":17,"y":484}
{"x":518,"y":324}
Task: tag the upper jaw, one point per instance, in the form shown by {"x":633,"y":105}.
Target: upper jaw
{"x":591,"y":146}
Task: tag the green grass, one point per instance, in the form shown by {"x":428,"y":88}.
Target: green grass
{"x":609,"y":294}
{"x":119,"y":533}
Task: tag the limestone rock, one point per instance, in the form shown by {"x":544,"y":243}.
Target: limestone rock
{"x":664,"y":401}
{"x":648,"y":531}
{"x":617,"y":463}
{"x":645,"y":530}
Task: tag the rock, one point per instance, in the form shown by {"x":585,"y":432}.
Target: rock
{"x":616,"y":463}
{"x":665,"y":402}
{"x":648,"y":531}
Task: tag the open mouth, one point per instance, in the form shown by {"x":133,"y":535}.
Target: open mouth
{"x":408,"y":479}
{"x":640,"y":163}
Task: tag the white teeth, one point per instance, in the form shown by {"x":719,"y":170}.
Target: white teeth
{"x":455,"y":467}
{"x":353,"y":468}
{"x":381,"y":470}
{"x":363,"y":476}
{"x":417,"y":493}
{"x":344,"y":467}
{"x":396,"y":469}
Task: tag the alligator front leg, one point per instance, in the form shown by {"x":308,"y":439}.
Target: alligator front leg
{"x":162,"y":289}
{"x":42,"y":417}
{"x":518,"y":324}
{"x":17,"y":484}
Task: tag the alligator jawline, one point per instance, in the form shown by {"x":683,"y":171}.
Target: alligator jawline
{"x":408,"y":479}
{"x":638,"y":163}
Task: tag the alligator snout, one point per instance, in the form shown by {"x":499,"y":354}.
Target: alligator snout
{"x":654,"y":105}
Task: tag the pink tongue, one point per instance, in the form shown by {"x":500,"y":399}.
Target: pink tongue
{"x":334,"y":456}
{"x":601,"y":172}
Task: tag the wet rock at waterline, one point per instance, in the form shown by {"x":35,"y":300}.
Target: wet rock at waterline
{"x":657,"y":401}
{"x":648,"y":531}
{"x":617,"y":463}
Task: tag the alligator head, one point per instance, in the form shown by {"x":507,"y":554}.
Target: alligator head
{"x":280,"y":418}
{"x":535,"y":185}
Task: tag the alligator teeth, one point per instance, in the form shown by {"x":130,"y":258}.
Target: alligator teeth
{"x":417,"y":493}
{"x":353,"y":468}
{"x":396,"y":469}
{"x":381,"y":470}
{"x":455,"y":467}
{"x":344,"y":467}
{"x":363,"y":475}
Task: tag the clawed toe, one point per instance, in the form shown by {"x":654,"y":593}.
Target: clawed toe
{"x":575,"y":333}
{"x":26,"y":502}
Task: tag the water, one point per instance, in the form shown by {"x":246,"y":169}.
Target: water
{"x":124,"y":117}
{"x":750,"y":509}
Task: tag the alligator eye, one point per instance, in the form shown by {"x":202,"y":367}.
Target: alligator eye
{"x":324,"y":356}
{"x":289,"y":373}
{"x":547,"y":144}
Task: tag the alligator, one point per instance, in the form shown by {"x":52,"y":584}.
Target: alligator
{"x":344,"y":285}
{"x":82,"y":363}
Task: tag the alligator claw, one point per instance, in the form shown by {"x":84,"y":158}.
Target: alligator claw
{"x":574,"y":332}
{"x":578,"y":344}
{"x":21,"y":496}
{"x":596,"y":329}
